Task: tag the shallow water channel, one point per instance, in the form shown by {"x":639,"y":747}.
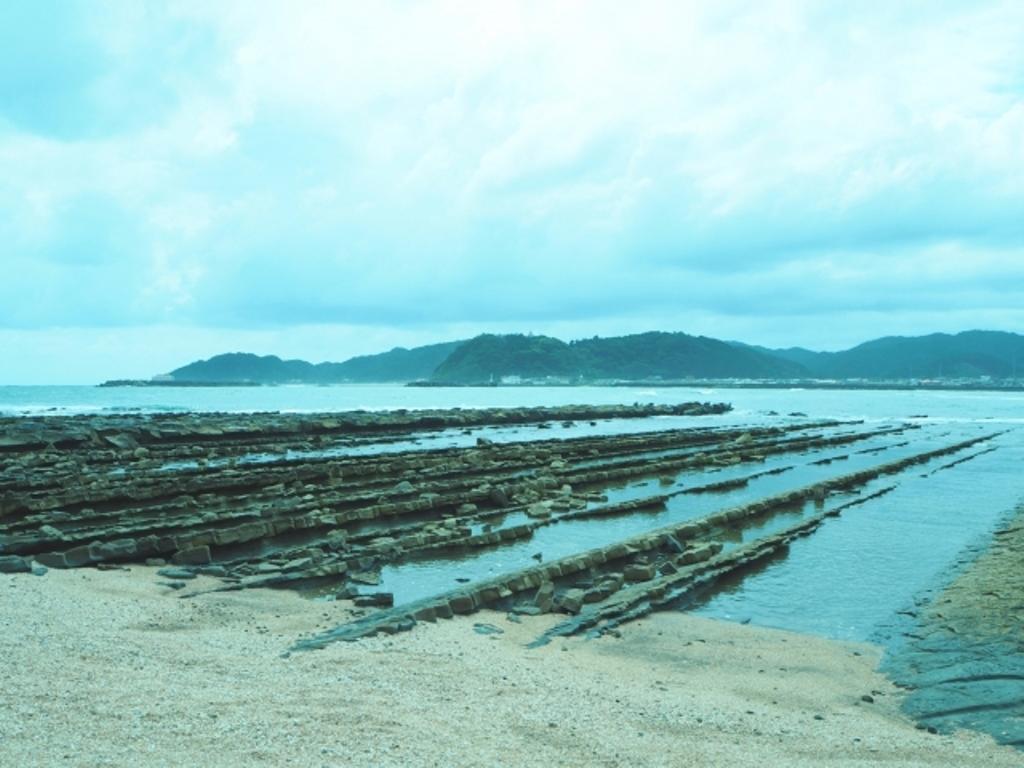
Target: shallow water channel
{"x":851,"y":579}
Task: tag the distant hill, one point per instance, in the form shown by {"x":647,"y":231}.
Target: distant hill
{"x":971,"y":354}
{"x":676,"y":356}
{"x":643,"y":356}
{"x":398,"y":365}
{"x":490,"y":358}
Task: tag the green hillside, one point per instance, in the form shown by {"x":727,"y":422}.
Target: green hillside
{"x":653,"y":355}
{"x":397,"y":365}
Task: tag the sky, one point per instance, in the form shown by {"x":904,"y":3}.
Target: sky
{"x":325,"y":179}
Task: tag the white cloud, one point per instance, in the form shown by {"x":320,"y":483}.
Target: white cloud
{"x":398,"y":164}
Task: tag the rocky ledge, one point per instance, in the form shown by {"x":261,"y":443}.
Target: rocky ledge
{"x":329,"y":503}
{"x":964,"y":662}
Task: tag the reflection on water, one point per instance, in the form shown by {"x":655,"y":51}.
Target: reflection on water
{"x":848,"y":580}
{"x":853,"y":576}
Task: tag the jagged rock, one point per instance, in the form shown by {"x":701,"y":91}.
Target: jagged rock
{"x":118,"y":549}
{"x":192,"y":556}
{"x":539,"y":510}
{"x":638,"y":572}
{"x":571,"y":601}
{"x":52,"y":559}
{"x":51,"y":533}
{"x":14,"y":564}
{"x":462,"y":603}
{"x":297,"y":564}
{"x":545,"y":596}
{"x":404,"y":487}
{"x":77,"y":556}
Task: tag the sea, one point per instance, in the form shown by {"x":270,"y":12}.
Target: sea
{"x":748,"y":404}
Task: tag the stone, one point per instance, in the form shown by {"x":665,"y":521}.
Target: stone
{"x":297,"y":564}
{"x":118,"y":549}
{"x":52,"y":559}
{"x":635,"y":572}
{"x":192,"y":556}
{"x":571,"y":601}
{"x":404,"y":487}
{"x":78,"y":556}
{"x":461,"y":604}
{"x":14,"y":564}
{"x":428,"y":613}
{"x":51,"y":533}
{"x":39,"y":570}
{"x":375,"y":600}
{"x":545,"y":596}
{"x":539,"y":510}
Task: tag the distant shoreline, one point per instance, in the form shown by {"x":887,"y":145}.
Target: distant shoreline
{"x":966,"y":386}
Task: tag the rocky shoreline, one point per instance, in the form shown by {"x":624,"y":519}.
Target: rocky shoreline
{"x":313,"y":502}
{"x":217,"y":508}
{"x":179,"y":491}
{"x":964,"y":660}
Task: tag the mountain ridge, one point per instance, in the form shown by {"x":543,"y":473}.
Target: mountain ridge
{"x":654,"y":355}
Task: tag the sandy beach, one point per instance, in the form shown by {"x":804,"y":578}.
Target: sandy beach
{"x":109,"y":668}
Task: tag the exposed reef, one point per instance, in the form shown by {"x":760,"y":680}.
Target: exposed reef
{"x":328,"y":503}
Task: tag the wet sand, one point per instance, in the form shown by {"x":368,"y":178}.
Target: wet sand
{"x":108,"y":668}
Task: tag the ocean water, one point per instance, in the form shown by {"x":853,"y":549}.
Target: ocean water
{"x":1005,"y":407}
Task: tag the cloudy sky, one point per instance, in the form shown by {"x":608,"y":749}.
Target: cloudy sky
{"x":323,"y":179}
